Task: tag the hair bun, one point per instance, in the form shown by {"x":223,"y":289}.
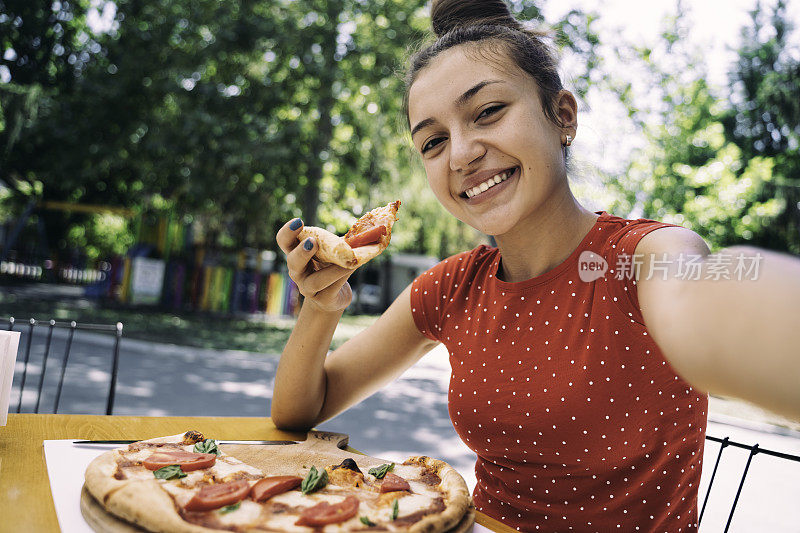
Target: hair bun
{"x":447,"y":15}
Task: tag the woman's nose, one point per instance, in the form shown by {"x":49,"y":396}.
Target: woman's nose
{"x":464,"y":150}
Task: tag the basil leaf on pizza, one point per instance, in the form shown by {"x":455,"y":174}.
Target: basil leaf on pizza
{"x":207,"y":446}
{"x":230,"y":508}
{"x":395,"y":510}
{"x":315,"y":480}
{"x":367,"y":522}
{"x":380,"y":471}
{"x":169,"y":472}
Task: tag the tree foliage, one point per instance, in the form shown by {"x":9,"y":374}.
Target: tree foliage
{"x":240,"y":115}
{"x":764,"y":119}
{"x":717,"y":165}
{"x":236,"y":114}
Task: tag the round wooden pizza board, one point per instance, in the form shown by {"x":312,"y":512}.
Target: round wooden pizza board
{"x":319,"y":448}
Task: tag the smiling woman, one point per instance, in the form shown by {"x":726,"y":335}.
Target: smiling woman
{"x":583,"y":394}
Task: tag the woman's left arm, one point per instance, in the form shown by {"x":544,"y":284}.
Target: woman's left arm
{"x":728,"y":323}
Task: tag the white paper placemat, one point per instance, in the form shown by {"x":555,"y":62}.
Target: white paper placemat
{"x":66,"y":464}
{"x":9,"y":343}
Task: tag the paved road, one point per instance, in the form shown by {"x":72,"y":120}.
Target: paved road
{"x":407,"y":418}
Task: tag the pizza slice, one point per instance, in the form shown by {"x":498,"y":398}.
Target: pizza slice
{"x":149,"y":480}
{"x":365,"y":240}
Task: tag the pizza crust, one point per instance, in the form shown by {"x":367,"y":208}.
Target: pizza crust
{"x":99,"y":477}
{"x":456,"y":496}
{"x":331,"y":248}
{"x":145,"y":504}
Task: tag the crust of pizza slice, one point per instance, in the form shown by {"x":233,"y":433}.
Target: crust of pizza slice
{"x":144,"y":503}
{"x":456,"y":496}
{"x":334,"y":249}
{"x":139,"y":501}
{"x":100,"y":480}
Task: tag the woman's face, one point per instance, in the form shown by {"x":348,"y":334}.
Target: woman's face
{"x":491,"y":155}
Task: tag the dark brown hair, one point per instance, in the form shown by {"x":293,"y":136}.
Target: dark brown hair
{"x":491,"y":26}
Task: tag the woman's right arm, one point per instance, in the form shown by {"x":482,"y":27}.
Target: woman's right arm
{"x":311,"y":386}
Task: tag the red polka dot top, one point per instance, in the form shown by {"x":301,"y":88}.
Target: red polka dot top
{"x":577,"y":420}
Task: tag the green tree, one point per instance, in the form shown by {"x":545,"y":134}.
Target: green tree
{"x":764,"y":121}
{"x":692,"y":171}
{"x":238,"y":114}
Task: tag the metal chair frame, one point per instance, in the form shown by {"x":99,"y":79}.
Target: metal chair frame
{"x":754,"y":450}
{"x":72,"y":327}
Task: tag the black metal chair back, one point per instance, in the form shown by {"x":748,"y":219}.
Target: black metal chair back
{"x":754,"y":450}
{"x":71,"y":328}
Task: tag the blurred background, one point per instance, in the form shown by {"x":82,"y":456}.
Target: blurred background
{"x":172,"y":138}
{"x":150,"y":150}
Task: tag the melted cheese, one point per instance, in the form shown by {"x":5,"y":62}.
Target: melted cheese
{"x":413,"y":503}
{"x":182,"y":495}
{"x":247,"y":513}
{"x":295,"y":498}
{"x":285,"y":522}
{"x":418,"y":487}
{"x":408,"y":472}
{"x":137,"y":472}
{"x":225,"y":467}
{"x":192,"y":478}
{"x":141,"y":455}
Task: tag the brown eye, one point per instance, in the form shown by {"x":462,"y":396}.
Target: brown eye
{"x":490,"y":111}
{"x":431,"y":144}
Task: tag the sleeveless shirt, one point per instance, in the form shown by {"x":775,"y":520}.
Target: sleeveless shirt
{"x":577,"y":420}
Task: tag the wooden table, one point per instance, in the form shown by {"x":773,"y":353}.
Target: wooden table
{"x":25,"y":500}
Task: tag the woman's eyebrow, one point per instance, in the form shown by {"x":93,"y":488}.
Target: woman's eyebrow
{"x":469,"y":93}
{"x":460,"y":102}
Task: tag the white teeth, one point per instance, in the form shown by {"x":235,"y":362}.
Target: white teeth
{"x":486,"y":185}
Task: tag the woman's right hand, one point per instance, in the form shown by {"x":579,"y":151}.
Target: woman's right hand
{"x":326,"y":288}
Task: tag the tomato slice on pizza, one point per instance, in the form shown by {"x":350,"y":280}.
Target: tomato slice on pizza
{"x":393,"y":482}
{"x":268,"y":487}
{"x":365,"y":240}
{"x":188,"y":461}
{"x":325,"y":513}
{"x":219,"y":495}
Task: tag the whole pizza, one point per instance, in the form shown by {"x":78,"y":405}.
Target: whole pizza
{"x":185,"y":483}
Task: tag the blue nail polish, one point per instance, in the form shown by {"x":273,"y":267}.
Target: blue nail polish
{"x":296,"y":223}
{"x":308,"y":245}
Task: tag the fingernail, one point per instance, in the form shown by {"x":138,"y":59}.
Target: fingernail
{"x":296,"y":223}
{"x":308,"y":245}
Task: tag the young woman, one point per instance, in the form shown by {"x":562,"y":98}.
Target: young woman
{"x":581,"y":390}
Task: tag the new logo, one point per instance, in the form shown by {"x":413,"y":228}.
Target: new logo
{"x":591,"y":266}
